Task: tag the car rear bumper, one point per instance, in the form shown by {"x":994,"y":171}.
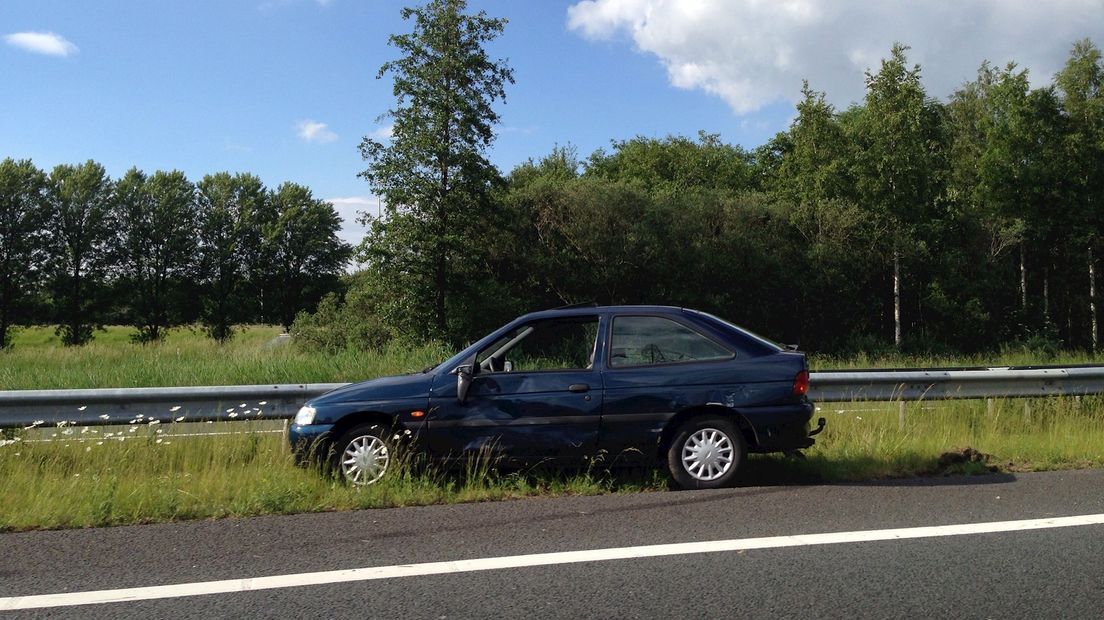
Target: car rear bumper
{"x":780,"y":428}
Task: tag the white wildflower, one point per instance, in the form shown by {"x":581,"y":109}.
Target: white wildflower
{"x":99,"y":443}
{"x":263,"y":402}
{"x":132,"y":429}
{"x":159,"y":441}
{"x":67,"y":431}
{"x":88,"y":449}
{"x":104,"y":417}
{"x":242,"y":406}
{"x":153,"y":421}
{"x":176,"y":408}
{"x":82,"y":407}
{"x":230,"y":410}
{"x":233,"y":415}
{"x":180,"y":419}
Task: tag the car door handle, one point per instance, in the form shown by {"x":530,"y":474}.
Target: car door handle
{"x":578,"y":388}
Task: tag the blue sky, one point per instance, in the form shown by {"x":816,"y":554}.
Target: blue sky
{"x":286,"y":89}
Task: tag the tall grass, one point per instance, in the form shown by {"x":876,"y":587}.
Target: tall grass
{"x":187,"y":357}
{"x":107,"y":476}
{"x":93,"y":479}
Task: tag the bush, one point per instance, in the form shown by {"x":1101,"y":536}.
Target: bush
{"x":338,"y":325}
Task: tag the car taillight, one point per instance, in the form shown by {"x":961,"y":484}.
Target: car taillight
{"x":801,"y":383}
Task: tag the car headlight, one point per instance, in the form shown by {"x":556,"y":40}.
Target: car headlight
{"x":306,"y":415}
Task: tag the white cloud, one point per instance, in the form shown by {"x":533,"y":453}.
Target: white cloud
{"x":752,"y":53}
{"x":313,"y":131}
{"x":383,"y":133}
{"x":48,"y":43}
{"x":350,"y":208}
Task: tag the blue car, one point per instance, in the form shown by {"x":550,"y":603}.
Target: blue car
{"x":615,"y":385}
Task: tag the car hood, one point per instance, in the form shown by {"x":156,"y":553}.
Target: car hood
{"x":384,"y":388}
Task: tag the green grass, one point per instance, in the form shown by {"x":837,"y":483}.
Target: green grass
{"x":188,"y":357}
{"x":93,"y":480}
{"x":96,"y":480}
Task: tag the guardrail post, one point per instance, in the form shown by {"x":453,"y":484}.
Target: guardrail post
{"x":901,"y":415}
{"x":989,"y":407}
{"x":1027,"y":410}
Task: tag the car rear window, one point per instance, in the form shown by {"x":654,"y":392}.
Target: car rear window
{"x":648,"y":340}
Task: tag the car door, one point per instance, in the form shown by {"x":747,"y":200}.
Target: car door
{"x":657,"y":365}
{"x":536,"y":395}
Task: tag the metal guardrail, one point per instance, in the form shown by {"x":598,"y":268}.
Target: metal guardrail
{"x":100,"y":407}
{"x":252,"y":402}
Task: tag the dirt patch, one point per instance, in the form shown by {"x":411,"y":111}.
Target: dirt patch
{"x":965,"y":461}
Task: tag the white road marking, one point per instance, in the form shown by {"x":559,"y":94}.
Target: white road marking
{"x":41,"y":601}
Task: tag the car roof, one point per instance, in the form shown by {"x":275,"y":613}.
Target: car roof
{"x":584,"y":310}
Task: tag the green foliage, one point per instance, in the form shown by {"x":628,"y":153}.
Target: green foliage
{"x":433,"y":174}
{"x":337,"y":326}
{"x":305,"y":253}
{"x":225,"y":206}
{"x":22,"y":243}
{"x":80,"y":236}
{"x":157,"y":218}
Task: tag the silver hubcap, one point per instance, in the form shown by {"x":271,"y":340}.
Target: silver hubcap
{"x":364,"y":460}
{"x":707,"y":454}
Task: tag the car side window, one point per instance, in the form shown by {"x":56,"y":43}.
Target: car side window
{"x":648,"y":340}
{"x":550,"y":344}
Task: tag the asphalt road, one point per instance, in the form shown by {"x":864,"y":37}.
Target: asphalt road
{"x":1051,"y":572}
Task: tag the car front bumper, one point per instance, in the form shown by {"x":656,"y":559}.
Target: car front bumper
{"x":307,"y":440}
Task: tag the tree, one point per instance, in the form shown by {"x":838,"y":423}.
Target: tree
{"x":1017,"y":167}
{"x":157,"y":220}
{"x":899,"y":168}
{"x":1081,"y":83}
{"x":80,"y":230}
{"x":307,"y":254}
{"x":674,"y":164}
{"x":225,"y":203}
{"x":433,"y":174}
{"x":22,"y":216}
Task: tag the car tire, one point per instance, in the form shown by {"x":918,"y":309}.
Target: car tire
{"x":364,"y":454}
{"x":706,"y":452}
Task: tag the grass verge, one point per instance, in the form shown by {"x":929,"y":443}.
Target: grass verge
{"x":187,"y":357}
{"x":91,"y":479}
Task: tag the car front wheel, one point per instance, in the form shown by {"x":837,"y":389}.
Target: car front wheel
{"x":706,"y":453}
{"x":364,"y":454}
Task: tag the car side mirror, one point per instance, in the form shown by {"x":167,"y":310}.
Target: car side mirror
{"x":464,"y":376}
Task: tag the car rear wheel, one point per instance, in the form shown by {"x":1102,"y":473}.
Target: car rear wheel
{"x":706,"y":453}
{"x":364,"y":454}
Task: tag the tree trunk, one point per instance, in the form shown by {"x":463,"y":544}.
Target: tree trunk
{"x":1092,"y":299}
{"x":1046,"y":295}
{"x":897,"y":298}
{"x":1023,"y":278}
